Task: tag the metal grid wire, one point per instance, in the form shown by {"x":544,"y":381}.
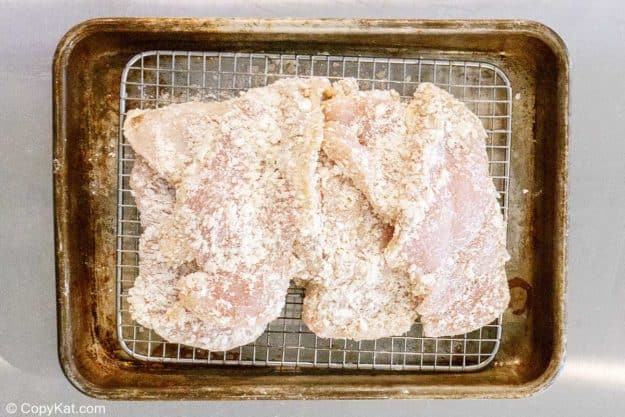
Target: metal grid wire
{"x":157,"y":78}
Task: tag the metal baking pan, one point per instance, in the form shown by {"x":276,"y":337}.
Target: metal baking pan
{"x":516,"y":70}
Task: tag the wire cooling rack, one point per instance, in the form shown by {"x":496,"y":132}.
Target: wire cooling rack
{"x":157,"y":78}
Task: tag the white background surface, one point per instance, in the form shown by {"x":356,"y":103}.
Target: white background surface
{"x":593,"y":381}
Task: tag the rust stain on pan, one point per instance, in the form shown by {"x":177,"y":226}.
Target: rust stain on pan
{"x":520,"y":296}
{"x":87,"y":69}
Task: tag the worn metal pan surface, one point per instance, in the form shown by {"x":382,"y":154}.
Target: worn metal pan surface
{"x":88,"y":66}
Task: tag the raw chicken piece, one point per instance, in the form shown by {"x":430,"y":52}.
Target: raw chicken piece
{"x":472,"y":291}
{"x":350,"y":292}
{"x":243,"y":172}
{"x":424,"y":169}
{"x":365,"y":134}
{"x":158,"y":299}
